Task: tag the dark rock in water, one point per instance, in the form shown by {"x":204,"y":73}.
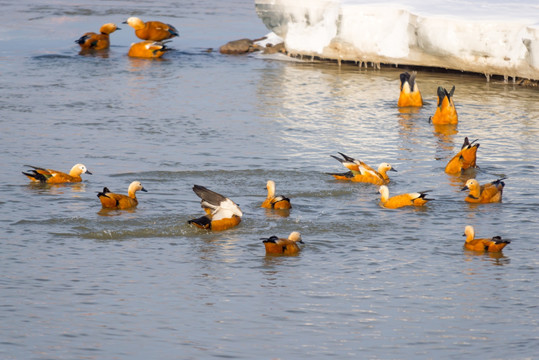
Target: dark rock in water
{"x":241,"y":46}
{"x":273,"y":49}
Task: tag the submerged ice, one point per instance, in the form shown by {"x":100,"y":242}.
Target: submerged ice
{"x":498,"y":38}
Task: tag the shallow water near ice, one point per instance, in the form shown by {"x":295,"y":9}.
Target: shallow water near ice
{"x":78,"y":282}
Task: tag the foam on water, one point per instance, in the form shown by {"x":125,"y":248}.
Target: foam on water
{"x":498,"y":38}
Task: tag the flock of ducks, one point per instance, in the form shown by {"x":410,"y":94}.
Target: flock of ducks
{"x":221,"y":213}
{"x":154,"y":34}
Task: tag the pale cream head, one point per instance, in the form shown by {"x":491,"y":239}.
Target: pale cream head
{"x":271,"y":188}
{"x":469,"y":232}
{"x":295,"y":236}
{"x":384,"y":167}
{"x":385,"y":192}
{"x":135,"y":23}
{"x":134,"y":187}
{"x":78,"y":169}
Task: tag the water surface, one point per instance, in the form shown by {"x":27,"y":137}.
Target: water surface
{"x":78,"y":282}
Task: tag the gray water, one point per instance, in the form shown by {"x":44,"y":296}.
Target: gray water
{"x":80,"y":283}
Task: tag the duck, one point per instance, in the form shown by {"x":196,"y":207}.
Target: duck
{"x":49,"y":176}
{"x":464,"y":159}
{"x":361,"y":172}
{"x":483,"y":194}
{"x":152,"y":30}
{"x":93,"y":41}
{"x":278,"y":202}
{"x":278,"y":246}
{"x":221,"y":212}
{"x":111,"y":200}
{"x":409,"y":91}
{"x":397,"y":201}
{"x":496,"y":244}
{"x":445,"y":114}
{"x":147,"y":49}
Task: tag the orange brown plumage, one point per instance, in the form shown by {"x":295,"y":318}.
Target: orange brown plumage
{"x":361,"y":172}
{"x":147,"y":49}
{"x":409,"y":91}
{"x":446,"y":113}
{"x":495,"y":244}
{"x":221,"y":212}
{"x":93,"y":41}
{"x":464,"y":159}
{"x":50,"y":176}
{"x":278,"y":202}
{"x":279,"y":246}
{"x":152,"y":30}
{"x":482,"y":194}
{"x":111,"y":200}
{"x":407,"y":199}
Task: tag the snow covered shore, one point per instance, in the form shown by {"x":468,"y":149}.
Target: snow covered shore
{"x":494,"y":38}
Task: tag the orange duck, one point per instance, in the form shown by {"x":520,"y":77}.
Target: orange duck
{"x":361,"y":172}
{"x":152,"y":30}
{"x":496,"y":244}
{"x":410,"y":94}
{"x":221,"y":212}
{"x":93,"y":41}
{"x":275,"y":202}
{"x":397,"y":201}
{"x":445,"y":112}
{"x":50,"y":176}
{"x":118,"y":201}
{"x":464,"y":159}
{"x":277,"y":246}
{"x":483,"y":194}
{"x":147,"y":49}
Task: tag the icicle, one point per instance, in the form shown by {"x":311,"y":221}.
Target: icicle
{"x":506,"y":79}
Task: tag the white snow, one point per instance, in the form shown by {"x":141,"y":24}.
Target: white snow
{"x":494,"y":38}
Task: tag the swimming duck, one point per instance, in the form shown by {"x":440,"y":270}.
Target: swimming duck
{"x":275,"y":202}
{"x":118,"y":201}
{"x":495,"y":244}
{"x":152,"y":30}
{"x":221,"y":212}
{"x":487,"y":193}
{"x":464,"y":159}
{"x":445,"y":112}
{"x":147,"y":49}
{"x":275,"y":245}
{"x":361,"y":172}
{"x":50,"y":176}
{"x":397,"y":201}
{"x":100,"y":41}
{"x":410,"y":94}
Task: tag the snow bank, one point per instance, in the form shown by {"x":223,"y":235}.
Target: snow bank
{"x":498,"y":38}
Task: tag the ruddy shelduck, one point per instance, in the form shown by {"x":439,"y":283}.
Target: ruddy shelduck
{"x":277,"y":246}
{"x":409,"y":94}
{"x":111,"y":200}
{"x":361,"y":172}
{"x":147,"y":49}
{"x":152,"y":30}
{"x":50,"y":176}
{"x":221,"y":212}
{"x":278,"y":202}
{"x":397,"y":201}
{"x":496,"y":244}
{"x":93,"y":41}
{"x":464,"y":159}
{"x":487,"y":193}
{"x":446,"y":113}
